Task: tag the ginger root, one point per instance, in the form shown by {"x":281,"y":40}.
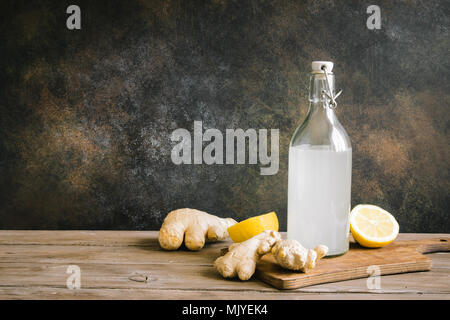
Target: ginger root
{"x":290,"y":254}
{"x":194,"y":226}
{"x":242,"y":257}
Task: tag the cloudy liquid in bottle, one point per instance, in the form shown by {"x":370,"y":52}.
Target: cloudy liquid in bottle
{"x":319,"y":197}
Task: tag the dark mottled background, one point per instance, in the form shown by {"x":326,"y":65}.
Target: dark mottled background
{"x":86,"y":116}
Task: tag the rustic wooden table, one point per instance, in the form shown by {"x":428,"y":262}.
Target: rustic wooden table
{"x":130,"y":265}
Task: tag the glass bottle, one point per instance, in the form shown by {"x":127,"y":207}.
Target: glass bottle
{"x":320,"y":161}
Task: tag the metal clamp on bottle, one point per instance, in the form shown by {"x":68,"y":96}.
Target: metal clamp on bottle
{"x":333,"y":103}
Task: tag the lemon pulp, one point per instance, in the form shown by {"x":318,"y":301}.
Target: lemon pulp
{"x":373,"y":227}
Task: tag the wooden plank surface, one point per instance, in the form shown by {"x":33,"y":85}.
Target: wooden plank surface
{"x":130,"y":265}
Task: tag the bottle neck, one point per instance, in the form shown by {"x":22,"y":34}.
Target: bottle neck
{"x":319,"y":102}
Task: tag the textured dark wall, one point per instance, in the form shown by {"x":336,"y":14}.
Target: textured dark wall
{"x":86,"y":115}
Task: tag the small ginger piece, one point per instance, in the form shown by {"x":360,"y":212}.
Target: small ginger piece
{"x":195,"y":226}
{"x":242,"y":257}
{"x":290,"y":254}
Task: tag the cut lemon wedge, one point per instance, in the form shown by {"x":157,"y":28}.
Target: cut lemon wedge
{"x":251,"y":227}
{"x":372,"y":226}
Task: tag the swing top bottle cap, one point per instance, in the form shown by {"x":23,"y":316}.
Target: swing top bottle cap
{"x":317,"y":66}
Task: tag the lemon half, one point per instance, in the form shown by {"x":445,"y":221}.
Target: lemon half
{"x":251,"y":227}
{"x":372,"y":226}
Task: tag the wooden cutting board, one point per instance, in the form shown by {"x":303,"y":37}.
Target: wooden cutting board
{"x":358,"y":262}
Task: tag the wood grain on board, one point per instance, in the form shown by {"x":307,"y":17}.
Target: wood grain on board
{"x":358,"y":262}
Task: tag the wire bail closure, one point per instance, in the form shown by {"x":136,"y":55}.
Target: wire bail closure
{"x":333,"y":103}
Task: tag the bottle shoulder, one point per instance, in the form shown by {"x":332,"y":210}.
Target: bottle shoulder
{"x":325,"y":132}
